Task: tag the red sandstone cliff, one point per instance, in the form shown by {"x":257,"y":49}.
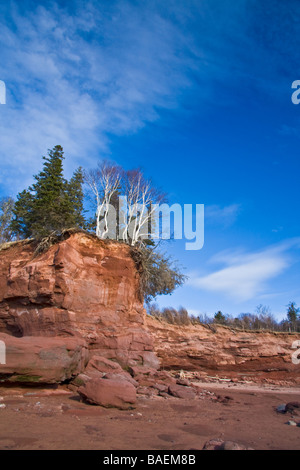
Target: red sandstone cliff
{"x":225,"y":351}
{"x":75,"y":306}
{"x":81,"y":288}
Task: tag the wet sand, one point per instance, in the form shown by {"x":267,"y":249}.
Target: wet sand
{"x":57,"y":419}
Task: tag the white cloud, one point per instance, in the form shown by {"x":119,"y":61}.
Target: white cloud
{"x":75,"y":78}
{"x":246,"y":275}
{"x":224,"y":216}
{"x":79,"y":74}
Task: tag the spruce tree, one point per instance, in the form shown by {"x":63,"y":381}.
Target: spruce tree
{"x":23,"y":215}
{"x":292,"y":314}
{"x":6,"y":214}
{"x":52,"y":203}
{"x":76,"y":196}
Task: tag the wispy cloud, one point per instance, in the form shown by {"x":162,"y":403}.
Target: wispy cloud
{"x":78,"y":73}
{"x":222,"y":216}
{"x":246,"y":275}
{"x":75,"y":79}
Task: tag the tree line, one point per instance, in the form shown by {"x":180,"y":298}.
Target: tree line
{"x":262,"y":319}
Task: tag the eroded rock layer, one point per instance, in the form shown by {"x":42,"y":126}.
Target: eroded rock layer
{"x":80,"y":288}
{"x":224,"y":350}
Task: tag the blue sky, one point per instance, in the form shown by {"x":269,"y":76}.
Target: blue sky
{"x":197,"y":93}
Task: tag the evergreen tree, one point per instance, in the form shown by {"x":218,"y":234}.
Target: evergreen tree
{"x":292,"y":314}
{"x":6,"y":214}
{"x":220,"y":317}
{"x":76,"y":196}
{"x":22,"y":211}
{"x":51,"y":204}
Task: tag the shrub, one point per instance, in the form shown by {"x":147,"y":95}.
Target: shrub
{"x":158,"y":275}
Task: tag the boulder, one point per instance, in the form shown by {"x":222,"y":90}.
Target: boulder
{"x":117,"y":393}
{"x":32,"y":359}
{"x":121,"y":376}
{"x":102,"y":364}
{"x":99,"y":367}
{"x":181,"y":391}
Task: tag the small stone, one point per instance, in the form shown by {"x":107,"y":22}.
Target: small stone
{"x":229,"y":445}
{"x":291,"y":423}
{"x":292,"y":406}
{"x":213,"y":444}
{"x":281,"y":408}
{"x":218,"y":444}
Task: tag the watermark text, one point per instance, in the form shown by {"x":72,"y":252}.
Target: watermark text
{"x":296,"y":354}
{"x":2,"y":92}
{"x":296,"y":94}
{"x":2,"y":353}
{"x":135,"y":222}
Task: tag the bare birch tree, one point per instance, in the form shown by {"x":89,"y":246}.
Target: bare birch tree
{"x":137,"y":202}
{"x":104,"y":182}
{"x":142,"y":198}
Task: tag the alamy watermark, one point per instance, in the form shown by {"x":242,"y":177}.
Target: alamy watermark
{"x":296,"y":95}
{"x":136,"y":222}
{"x":2,"y":353}
{"x":295,"y":358}
{"x":2,"y":92}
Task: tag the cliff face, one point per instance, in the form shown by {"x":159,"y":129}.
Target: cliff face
{"x":77,"y":305}
{"x":257,"y":355}
{"x":81,"y":287}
